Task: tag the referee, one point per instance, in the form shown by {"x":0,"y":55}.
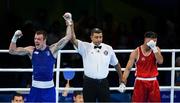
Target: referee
{"x":96,"y":59}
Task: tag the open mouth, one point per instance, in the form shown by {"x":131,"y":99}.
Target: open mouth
{"x":37,"y":45}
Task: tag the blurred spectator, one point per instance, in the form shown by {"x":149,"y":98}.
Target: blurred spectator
{"x":55,"y":32}
{"x":77,"y":95}
{"x":17,"y":98}
{"x":138,"y":24}
{"x":40,"y":19}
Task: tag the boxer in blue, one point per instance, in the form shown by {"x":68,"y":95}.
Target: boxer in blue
{"x":43,"y":58}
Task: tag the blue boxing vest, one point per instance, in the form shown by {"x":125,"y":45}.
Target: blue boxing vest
{"x":42,"y":89}
{"x":43,"y":64}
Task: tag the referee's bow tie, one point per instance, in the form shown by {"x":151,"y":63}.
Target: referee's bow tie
{"x":97,"y":47}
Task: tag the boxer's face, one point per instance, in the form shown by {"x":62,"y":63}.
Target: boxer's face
{"x":146,"y":40}
{"x":39,"y":41}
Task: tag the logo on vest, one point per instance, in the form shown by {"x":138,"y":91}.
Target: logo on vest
{"x":142,"y":59}
{"x":36,"y":52}
{"x":105,"y":52}
{"x":48,"y":54}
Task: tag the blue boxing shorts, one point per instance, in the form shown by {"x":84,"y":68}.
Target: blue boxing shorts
{"x":42,"y":95}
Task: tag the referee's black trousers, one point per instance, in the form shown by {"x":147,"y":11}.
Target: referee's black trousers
{"x":96,"y":90}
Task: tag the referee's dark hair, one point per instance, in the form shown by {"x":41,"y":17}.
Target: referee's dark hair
{"x":96,"y":30}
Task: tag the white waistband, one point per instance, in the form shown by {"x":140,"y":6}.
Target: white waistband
{"x":42,"y":84}
{"x":140,"y":78}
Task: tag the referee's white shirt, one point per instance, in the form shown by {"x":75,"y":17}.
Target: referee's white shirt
{"x":96,"y":61}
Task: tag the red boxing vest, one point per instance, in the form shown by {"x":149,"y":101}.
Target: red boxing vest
{"x":146,"y":66}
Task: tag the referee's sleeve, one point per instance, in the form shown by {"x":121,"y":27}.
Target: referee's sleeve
{"x":80,"y":48}
{"x":113,"y":58}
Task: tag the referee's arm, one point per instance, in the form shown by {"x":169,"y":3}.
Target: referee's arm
{"x":118,"y":69}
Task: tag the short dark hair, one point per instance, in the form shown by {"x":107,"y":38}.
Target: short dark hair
{"x":77,"y":93}
{"x":44,"y":33}
{"x":96,"y":30}
{"x":150,"y":34}
{"x":17,"y":94}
